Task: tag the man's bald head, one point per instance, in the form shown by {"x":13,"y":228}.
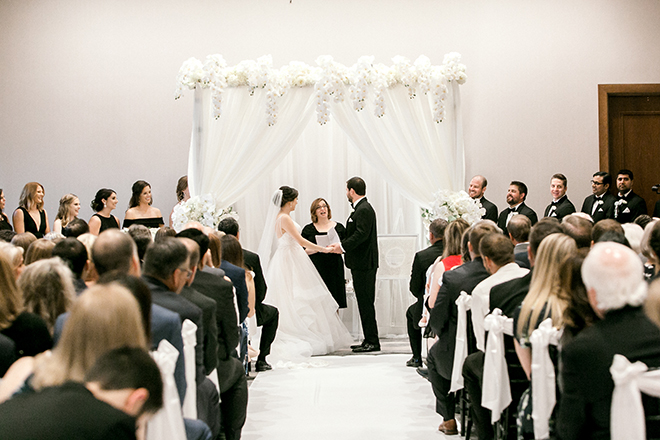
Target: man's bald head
{"x":114,"y":250}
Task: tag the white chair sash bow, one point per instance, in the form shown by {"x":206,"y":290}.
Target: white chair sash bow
{"x":167,"y":423}
{"x":188,"y":333}
{"x":496,"y":394}
{"x":543,"y":377}
{"x":464,"y":302}
{"x":627,"y":413}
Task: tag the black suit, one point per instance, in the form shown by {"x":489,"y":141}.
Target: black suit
{"x":491,"y":210}
{"x":208,"y":307}
{"x":231,"y":375}
{"x":604,"y":210}
{"x":267,"y":316}
{"x":423,"y":259}
{"x":361,"y":256}
{"x":237,"y":277}
{"x":443,"y":321}
{"x":633,"y":207}
{"x":521,"y":209}
{"x":584,"y":406}
{"x":562,"y":208}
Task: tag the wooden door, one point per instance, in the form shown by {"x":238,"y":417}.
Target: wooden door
{"x":629,"y":124}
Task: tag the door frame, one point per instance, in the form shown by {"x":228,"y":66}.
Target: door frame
{"x":604,"y":92}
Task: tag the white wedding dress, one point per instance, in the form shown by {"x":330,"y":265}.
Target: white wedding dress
{"x":309,"y":324}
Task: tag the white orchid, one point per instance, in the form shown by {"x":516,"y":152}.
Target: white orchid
{"x":450,"y":206}
{"x":200,"y":209}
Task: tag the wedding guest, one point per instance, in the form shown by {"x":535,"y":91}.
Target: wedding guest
{"x":75,"y":228}
{"x":329,"y":266}
{"x":68,"y":211}
{"x":476,"y":191}
{"x":48,"y":291}
{"x":163,"y":232}
{"x":579,"y":229}
{"x":39,"y":250}
{"x":27,"y":330}
{"x":74,"y":254}
{"x":643,"y":220}
{"x":560,"y":206}
{"x":515,"y":198}
{"x":4,"y":220}
{"x":651,"y":247}
{"x":578,"y":313}
{"x":30,"y":216}
{"x":605,"y":226}
{"x":140,"y":211}
{"x":14,"y":255}
{"x":633,"y":233}
{"x":142,"y":237}
{"x":103,"y":204}
{"x":6,"y":235}
{"x":182,"y":194}
{"x":600,"y":204}
{"x":233,"y":253}
{"x":628,"y":205}
{"x":24,"y":240}
{"x":89,"y":274}
{"x":519,"y":227}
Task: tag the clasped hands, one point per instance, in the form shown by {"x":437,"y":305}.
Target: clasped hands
{"x":334,"y":248}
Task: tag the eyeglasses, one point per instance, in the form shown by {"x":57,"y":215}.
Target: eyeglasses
{"x":187,"y":271}
{"x":593,"y":182}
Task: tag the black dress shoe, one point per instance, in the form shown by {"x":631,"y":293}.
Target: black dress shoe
{"x":414,"y":363}
{"x":262,"y":366}
{"x":366,"y":348}
{"x":353,"y":347}
{"x":424,"y":372}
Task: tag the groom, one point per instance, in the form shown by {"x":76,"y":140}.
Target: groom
{"x":361,"y":249}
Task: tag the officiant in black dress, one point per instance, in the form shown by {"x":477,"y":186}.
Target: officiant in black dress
{"x":329,"y":266}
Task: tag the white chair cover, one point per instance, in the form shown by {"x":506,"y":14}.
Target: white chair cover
{"x":543,"y":377}
{"x":496,"y":394}
{"x":463,"y":302}
{"x":627,"y":413}
{"x":213,"y":377}
{"x":188,"y":333}
{"x":167,"y":423}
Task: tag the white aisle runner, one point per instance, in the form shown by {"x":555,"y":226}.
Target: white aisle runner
{"x":353,"y":397}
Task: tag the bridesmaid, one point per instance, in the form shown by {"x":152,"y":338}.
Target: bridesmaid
{"x":104,"y":202}
{"x":30,"y":216}
{"x":4,"y":220}
{"x":329,"y":266}
{"x":182,"y":194}
{"x":68,"y":211}
{"x":140,"y":211}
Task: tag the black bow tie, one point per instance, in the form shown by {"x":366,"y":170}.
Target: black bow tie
{"x":513,"y":209}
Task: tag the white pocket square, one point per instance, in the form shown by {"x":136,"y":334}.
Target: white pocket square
{"x":626,"y":211}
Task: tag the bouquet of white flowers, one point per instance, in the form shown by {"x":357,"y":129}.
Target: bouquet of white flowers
{"x":450,"y":205}
{"x":199,"y":209}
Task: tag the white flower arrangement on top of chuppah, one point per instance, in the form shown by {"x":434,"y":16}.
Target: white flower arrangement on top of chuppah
{"x":200,"y":209}
{"x":451,"y":205}
{"x":328,"y":80}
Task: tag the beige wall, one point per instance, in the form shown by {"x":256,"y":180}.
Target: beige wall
{"x":86,"y":87}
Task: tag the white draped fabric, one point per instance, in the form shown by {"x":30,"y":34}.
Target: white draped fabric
{"x":464,"y":303}
{"x":189,"y":336}
{"x":627,"y":413}
{"x":167,"y":423}
{"x":543,"y":377}
{"x":496,"y":394}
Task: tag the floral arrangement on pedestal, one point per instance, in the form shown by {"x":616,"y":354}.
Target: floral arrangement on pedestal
{"x":200,"y":209}
{"x":329,"y":80}
{"x":452,"y":205}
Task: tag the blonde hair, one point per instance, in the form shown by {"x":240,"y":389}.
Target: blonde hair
{"x":27,"y":196}
{"x":24,"y":240}
{"x":11,"y":301}
{"x":103,"y":318}
{"x":48,"y":291}
{"x":89,"y":274}
{"x":65,"y":208}
{"x":39,"y":250}
{"x":14,"y":254}
{"x":549,"y":281}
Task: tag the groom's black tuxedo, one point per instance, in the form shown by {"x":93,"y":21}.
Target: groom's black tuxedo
{"x":361,"y":249}
{"x":604,"y":210}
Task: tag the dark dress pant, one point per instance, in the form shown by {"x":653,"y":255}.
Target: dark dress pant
{"x":413,"y":315}
{"x":364,"y":283}
{"x":445,"y":402}
{"x":473,"y":374}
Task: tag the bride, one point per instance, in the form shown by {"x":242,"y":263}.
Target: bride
{"x":309,"y":324}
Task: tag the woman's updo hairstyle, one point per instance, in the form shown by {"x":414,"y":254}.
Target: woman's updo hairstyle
{"x":101,"y":195}
{"x":288,"y":195}
{"x":137,"y":191}
{"x":181,"y":187}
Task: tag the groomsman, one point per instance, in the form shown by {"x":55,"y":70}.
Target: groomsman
{"x":628,"y":205}
{"x":600,"y":204}
{"x":476,"y":190}
{"x":560,"y":206}
{"x":515,"y":198}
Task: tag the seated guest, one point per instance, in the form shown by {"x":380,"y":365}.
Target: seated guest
{"x":560,"y":206}
{"x":24,"y":240}
{"x":605,"y":226}
{"x":27,"y":331}
{"x":476,"y":191}
{"x":650,"y":247}
{"x":39,"y":250}
{"x":105,"y":201}
{"x":4,"y":220}
{"x":443,"y":321}
{"x":628,"y":205}
{"x":6,"y":235}
{"x":142,"y":238}
{"x":164,"y":231}
{"x":423,"y":259}
{"x":578,"y":313}
{"x":515,"y":198}
{"x":579,"y":229}
{"x":74,"y":254}
{"x":89,"y":274}
{"x":633,"y":233}
{"x":140,"y":211}
{"x":267,"y":315}
{"x":600,"y":204}
{"x":67,"y":212}
{"x":616,"y":289}
{"x":643,"y":220}
{"x":14,"y":255}
{"x":30,"y":216}
{"x":518,"y":228}
{"x":235,"y":274}
{"x":7,"y":354}
{"x":47,"y":287}
{"x":75,"y":228}
{"x":121,"y":390}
